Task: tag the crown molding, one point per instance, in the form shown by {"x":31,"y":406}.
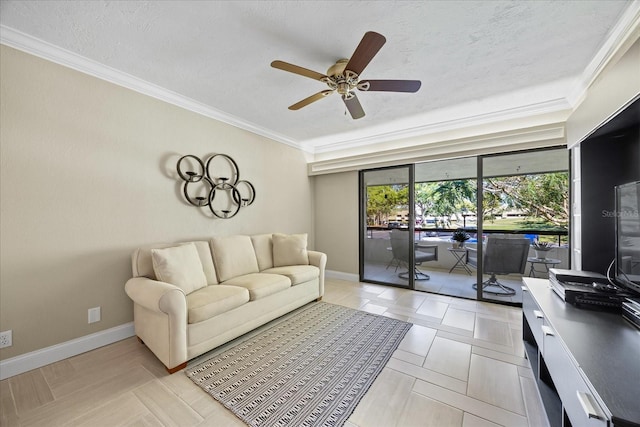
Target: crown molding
{"x":42,"y":49}
{"x":502,"y":115}
{"x":552,"y":134}
{"x":622,"y":35}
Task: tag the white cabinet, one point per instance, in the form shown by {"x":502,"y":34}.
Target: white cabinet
{"x":577,"y":399}
{"x":586,"y":363}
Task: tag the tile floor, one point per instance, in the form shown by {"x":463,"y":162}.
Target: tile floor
{"x":460,"y":365}
{"x":458,"y":283}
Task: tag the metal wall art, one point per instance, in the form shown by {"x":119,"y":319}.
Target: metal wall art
{"x":224,"y":194}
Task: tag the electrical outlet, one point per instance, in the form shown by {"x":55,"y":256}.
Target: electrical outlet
{"x":6,"y":339}
{"x":94,"y":315}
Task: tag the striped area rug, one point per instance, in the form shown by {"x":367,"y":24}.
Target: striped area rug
{"x":310,"y":369}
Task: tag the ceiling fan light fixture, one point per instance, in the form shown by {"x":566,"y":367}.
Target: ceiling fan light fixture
{"x":344,"y":87}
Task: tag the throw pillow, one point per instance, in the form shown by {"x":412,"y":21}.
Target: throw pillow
{"x":233,"y":256}
{"x":263,"y":245}
{"x":180,"y":266}
{"x":290,"y":250}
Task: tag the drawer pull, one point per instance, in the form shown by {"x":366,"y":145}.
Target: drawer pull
{"x":587,"y":406}
{"x":547,"y":331}
{"x":538,"y":314}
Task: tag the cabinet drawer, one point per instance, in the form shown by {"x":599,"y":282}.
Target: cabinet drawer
{"x":534,"y":316}
{"x":577,"y":399}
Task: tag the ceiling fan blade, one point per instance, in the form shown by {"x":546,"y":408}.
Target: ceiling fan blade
{"x":310,"y":99}
{"x":285,"y":66}
{"x":389,"y":85}
{"x":366,"y":50}
{"x":354,"y":107}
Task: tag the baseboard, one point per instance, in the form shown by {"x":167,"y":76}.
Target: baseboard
{"x":37,"y":359}
{"x":350,"y":277}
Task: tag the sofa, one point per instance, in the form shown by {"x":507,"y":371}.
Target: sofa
{"x":191,"y":297}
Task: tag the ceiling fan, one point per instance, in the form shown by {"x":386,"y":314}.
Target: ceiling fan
{"x":344,"y":77}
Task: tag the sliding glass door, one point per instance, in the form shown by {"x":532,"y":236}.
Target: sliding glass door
{"x":445,"y":204}
{"x":411,"y":217}
{"x":525,"y":201}
{"x":386,"y":226}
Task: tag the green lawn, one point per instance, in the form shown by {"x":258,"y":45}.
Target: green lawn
{"x":517,"y":224}
{"x":508,"y":224}
{"x":524,"y":224}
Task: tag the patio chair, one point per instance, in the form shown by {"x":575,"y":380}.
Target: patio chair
{"x":423,"y":253}
{"x":502,"y":255}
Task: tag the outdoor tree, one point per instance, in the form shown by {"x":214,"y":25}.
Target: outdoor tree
{"x":492,"y":204}
{"x":454,"y":197}
{"x":539,"y":196}
{"x":544,"y":196}
{"x":384,"y":200}
{"x":425,"y":200}
{"x":378,"y":206}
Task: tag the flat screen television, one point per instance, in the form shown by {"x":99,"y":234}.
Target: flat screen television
{"x":627,"y":213}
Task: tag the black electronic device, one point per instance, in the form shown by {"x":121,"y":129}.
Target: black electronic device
{"x":631,"y":311}
{"x":604,"y":287}
{"x":587,"y":289}
{"x":627,"y":221}
{"x":577,"y":276}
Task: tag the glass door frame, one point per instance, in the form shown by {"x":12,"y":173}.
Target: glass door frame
{"x":480,"y":178}
{"x":480,"y":203}
{"x":480,"y":228}
{"x":362,"y":222}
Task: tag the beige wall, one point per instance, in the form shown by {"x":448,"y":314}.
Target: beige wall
{"x":336,"y":227}
{"x":88,"y":173}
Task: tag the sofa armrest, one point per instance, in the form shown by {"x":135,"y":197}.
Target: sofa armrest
{"x":160,"y":319}
{"x":319,"y":259}
{"x":155,"y":295}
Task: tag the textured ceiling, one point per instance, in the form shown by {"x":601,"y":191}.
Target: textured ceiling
{"x":483,"y":55}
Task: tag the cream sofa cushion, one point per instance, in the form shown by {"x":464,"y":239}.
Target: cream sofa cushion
{"x":180,"y":266}
{"x":290,"y":250}
{"x":263,"y":246}
{"x":260,"y":285}
{"x":233,"y":256}
{"x":204,"y":251}
{"x":142,"y":264}
{"x":211,"y":301}
{"x":296,"y":273}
